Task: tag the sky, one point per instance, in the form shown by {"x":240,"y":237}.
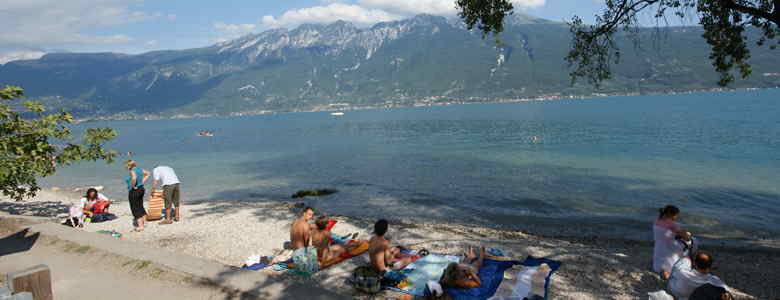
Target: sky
{"x":31,"y":28}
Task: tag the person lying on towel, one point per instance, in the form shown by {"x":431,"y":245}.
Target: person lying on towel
{"x":463,"y":275}
{"x":321,"y":239}
{"x":383,"y":257}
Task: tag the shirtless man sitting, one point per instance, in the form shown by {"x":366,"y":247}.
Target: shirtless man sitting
{"x":320,"y":238}
{"x":383,"y":257}
{"x":300,"y":231}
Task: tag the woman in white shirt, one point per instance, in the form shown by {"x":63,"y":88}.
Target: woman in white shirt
{"x":88,"y":203}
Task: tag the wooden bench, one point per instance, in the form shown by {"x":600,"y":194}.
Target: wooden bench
{"x":30,"y":284}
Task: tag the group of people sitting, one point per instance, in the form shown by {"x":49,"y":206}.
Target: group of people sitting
{"x":93,"y":207}
{"x":677,"y":259}
{"x":383,"y":256}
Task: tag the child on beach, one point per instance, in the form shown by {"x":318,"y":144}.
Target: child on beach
{"x":667,"y":251}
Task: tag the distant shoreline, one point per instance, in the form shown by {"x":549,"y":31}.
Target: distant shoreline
{"x":471,"y":100}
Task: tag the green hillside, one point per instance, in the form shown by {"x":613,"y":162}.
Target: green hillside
{"x":420,"y":61}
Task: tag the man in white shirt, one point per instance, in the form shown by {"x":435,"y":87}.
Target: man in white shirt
{"x":170,"y":184}
{"x":688,"y":275}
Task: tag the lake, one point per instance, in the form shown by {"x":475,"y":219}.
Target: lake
{"x":587,"y":166}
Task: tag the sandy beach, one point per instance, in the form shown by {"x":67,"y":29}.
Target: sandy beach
{"x":593,"y":268}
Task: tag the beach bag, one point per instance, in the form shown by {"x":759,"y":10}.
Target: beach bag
{"x":305,"y":261}
{"x":366,"y":279}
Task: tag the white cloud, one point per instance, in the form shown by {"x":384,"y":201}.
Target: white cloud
{"x":434,"y":7}
{"x":369,"y":12}
{"x":63,"y":24}
{"x":152,"y":43}
{"x":232,"y":31}
{"x":357,"y":14}
{"x":19,"y":55}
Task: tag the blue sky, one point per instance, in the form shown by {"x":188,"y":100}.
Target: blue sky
{"x":136,"y":26}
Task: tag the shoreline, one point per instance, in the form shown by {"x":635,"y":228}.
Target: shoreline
{"x":594,"y":267}
{"x":541,"y":98}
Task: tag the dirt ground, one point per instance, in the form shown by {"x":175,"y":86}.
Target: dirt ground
{"x":80,"y":272}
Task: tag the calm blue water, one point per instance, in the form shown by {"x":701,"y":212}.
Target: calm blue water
{"x":595,"y":166}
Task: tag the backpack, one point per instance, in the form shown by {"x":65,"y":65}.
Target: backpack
{"x":305,"y":261}
{"x":366,"y":279}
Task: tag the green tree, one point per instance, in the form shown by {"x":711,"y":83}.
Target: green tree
{"x":26,"y":148}
{"x":594,"y":50}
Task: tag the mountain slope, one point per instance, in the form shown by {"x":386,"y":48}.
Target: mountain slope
{"x":424,"y":59}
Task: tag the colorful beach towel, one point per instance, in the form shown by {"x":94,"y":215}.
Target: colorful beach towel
{"x":418,"y":273}
{"x":360,"y":249}
{"x":528,"y":279}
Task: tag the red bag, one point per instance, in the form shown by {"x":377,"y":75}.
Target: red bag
{"x":99,"y":207}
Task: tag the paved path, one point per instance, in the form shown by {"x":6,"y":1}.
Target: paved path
{"x":85,"y":264}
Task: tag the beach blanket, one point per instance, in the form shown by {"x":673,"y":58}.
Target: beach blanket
{"x":360,"y":249}
{"x":418,"y":273}
{"x":527,"y":279}
{"x":255,"y":267}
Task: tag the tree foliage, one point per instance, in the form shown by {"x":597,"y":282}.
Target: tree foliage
{"x":27,"y":151}
{"x":487,"y":15}
{"x":594,"y":48}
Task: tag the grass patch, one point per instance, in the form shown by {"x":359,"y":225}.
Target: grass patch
{"x":82,"y":249}
{"x":156,"y":273}
{"x":129,"y":262}
{"x":142,"y":264}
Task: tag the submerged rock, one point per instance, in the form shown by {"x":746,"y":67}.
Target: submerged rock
{"x":320,"y":192}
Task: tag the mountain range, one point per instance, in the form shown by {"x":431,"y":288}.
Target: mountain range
{"x":423,"y":60}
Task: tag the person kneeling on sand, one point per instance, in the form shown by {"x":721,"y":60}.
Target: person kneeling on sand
{"x":383,"y":257}
{"x":300,"y":231}
{"x":667,"y":250}
{"x":170,"y":184}
{"x":690,"y":274}
{"x":95,"y":205}
{"x":321,"y":239}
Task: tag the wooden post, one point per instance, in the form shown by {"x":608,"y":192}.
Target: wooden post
{"x":36,"y":280}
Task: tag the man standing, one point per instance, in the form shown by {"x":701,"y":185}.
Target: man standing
{"x":170,"y":184}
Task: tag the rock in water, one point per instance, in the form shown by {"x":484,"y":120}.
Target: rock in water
{"x":320,"y":192}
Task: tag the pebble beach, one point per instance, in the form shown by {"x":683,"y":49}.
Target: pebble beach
{"x":593,"y":267}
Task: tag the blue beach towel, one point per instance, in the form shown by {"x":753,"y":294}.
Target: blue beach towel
{"x":418,"y":273}
{"x":492,"y":274}
{"x":255,"y":267}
